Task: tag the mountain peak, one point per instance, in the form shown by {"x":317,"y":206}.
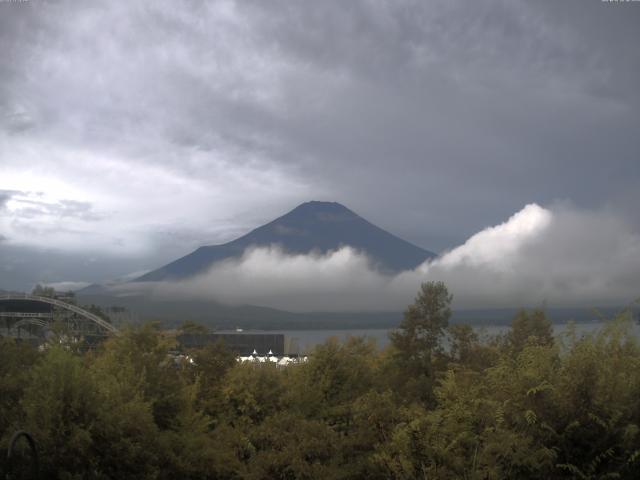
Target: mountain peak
{"x":317,"y":211}
{"x":321,"y":206}
{"x":314,"y":226}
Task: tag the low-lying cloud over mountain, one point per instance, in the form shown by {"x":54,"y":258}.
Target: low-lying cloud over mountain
{"x":558,"y":256}
{"x":313,"y":227}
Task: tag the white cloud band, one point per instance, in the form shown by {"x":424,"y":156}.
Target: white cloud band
{"x":559,"y":256}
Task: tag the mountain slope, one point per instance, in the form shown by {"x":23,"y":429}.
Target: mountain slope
{"x":312,"y":226}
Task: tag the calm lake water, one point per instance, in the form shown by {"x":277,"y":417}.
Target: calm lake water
{"x":308,"y":339}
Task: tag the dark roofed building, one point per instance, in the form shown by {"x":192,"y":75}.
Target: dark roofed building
{"x":240,"y":343}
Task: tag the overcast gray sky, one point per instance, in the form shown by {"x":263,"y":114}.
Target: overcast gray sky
{"x":133,"y":132}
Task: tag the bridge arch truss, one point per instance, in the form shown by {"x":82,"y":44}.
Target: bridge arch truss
{"x":23,"y":318}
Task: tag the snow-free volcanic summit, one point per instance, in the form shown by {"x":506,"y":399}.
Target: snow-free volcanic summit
{"x":310,"y":227}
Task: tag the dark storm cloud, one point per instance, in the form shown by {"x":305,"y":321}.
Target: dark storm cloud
{"x":462,"y":113}
{"x":189,"y":124}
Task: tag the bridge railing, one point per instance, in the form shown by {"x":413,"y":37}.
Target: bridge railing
{"x":26,"y":315}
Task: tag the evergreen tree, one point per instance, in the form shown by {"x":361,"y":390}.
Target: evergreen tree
{"x":418,"y":338}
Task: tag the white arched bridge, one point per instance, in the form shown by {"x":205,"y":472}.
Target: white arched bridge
{"x":42,"y":318}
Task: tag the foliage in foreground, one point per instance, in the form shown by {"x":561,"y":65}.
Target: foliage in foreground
{"x":522,"y":405}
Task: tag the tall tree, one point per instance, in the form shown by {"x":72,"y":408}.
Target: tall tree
{"x":530,"y":328}
{"x":419,"y":336}
{"x":42,"y":291}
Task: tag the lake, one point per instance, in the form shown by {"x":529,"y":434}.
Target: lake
{"x":308,"y":339}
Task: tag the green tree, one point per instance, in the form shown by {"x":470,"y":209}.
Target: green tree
{"x":463,"y":342}
{"x":466,"y":348}
{"x":418,"y":339}
{"x":42,"y":291}
{"x":335,"y":376}
{"x":191,"y":327}
{"x":597,"y":412}
{"x":147,"y":349}
{"x":530,"y":328}
{"x":61,"y":406}
{"x":287,"y":446}
{"x":252,"y":392}
{"x":125,"y":436}
{"x":16,"y":361}
{"x":211,"y":364}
